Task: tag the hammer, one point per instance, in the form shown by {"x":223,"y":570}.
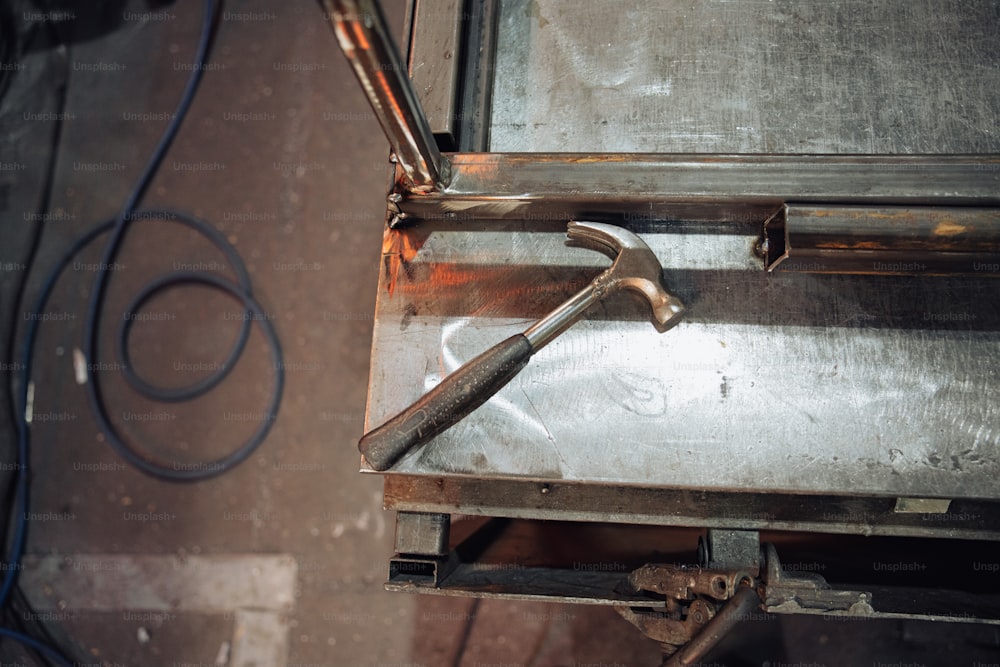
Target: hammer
{"x":635,"y":268}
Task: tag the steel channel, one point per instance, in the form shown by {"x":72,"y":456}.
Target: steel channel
{"x":435,"y":64}
{"x":479,"y":56}
{"x":857,"y":515}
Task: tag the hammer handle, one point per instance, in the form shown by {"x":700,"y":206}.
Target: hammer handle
{"x":456,"y":396}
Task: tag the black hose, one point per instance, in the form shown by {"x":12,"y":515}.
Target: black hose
{"x":240,"y":290}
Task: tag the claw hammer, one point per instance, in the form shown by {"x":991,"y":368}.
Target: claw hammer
{"x":635,"y":268}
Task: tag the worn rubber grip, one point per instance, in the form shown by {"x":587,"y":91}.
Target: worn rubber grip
{"x":458,"y":394}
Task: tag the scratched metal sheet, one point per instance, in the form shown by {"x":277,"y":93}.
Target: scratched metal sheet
{"x":748,"y":76}
{"x":782,"y":382}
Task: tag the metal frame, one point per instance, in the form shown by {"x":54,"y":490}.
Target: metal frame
{"x":964,"y":519}
{"x":482,"y":563}
{"x":522,"y":185}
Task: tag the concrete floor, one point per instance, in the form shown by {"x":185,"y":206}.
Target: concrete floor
{"x":292,"y":167}
{"x":281,"y":153}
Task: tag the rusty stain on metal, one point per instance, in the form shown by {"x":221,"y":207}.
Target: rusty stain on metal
{"x":600,"y":158}
{"x":950,"y":228}
{"x":857,"y":245}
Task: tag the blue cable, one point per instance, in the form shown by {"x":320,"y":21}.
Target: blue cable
{"x":50,"y":654}
{"x":240,"y":290}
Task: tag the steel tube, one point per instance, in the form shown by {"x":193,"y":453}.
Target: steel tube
{"x":883,"y":240}
{"x":364,"y":38}
{"x":724,"y":188}
{"x":544,"y":330}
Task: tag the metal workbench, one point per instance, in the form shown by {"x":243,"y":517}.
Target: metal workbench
{"x":831,"y":386}
{"x":855,"y":385}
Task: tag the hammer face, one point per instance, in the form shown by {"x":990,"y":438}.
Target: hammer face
{"x":635,"y":268}
{"x":669,"y":313}
{"x":667,"y":309}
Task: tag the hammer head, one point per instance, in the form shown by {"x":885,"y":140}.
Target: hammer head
{"x":635,"y":268}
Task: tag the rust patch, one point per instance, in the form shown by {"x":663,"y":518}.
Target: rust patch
{"x":903,"y":216}
{"x":949,"y":227}
{"x":865,"y":214}
{"x":857,"y":245}
{"x":589,"y":159}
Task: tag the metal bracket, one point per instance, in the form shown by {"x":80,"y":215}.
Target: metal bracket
{"x":680,"y":582}
{"x":693,"y":624}
{"x":806,"y":592}
{"x":704,"y":603}
{"x":695,"y":618}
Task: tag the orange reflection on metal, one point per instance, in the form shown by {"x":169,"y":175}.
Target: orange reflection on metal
{"x":398,"y":249}
{"x":480,"y":165}
{"x":397,"y":111}
{"x":359,"y":36}
{"x":450,"y":275}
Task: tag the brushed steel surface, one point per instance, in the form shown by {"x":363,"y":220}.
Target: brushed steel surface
{"x":858,"y":385}
{"x":749,"y":76}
